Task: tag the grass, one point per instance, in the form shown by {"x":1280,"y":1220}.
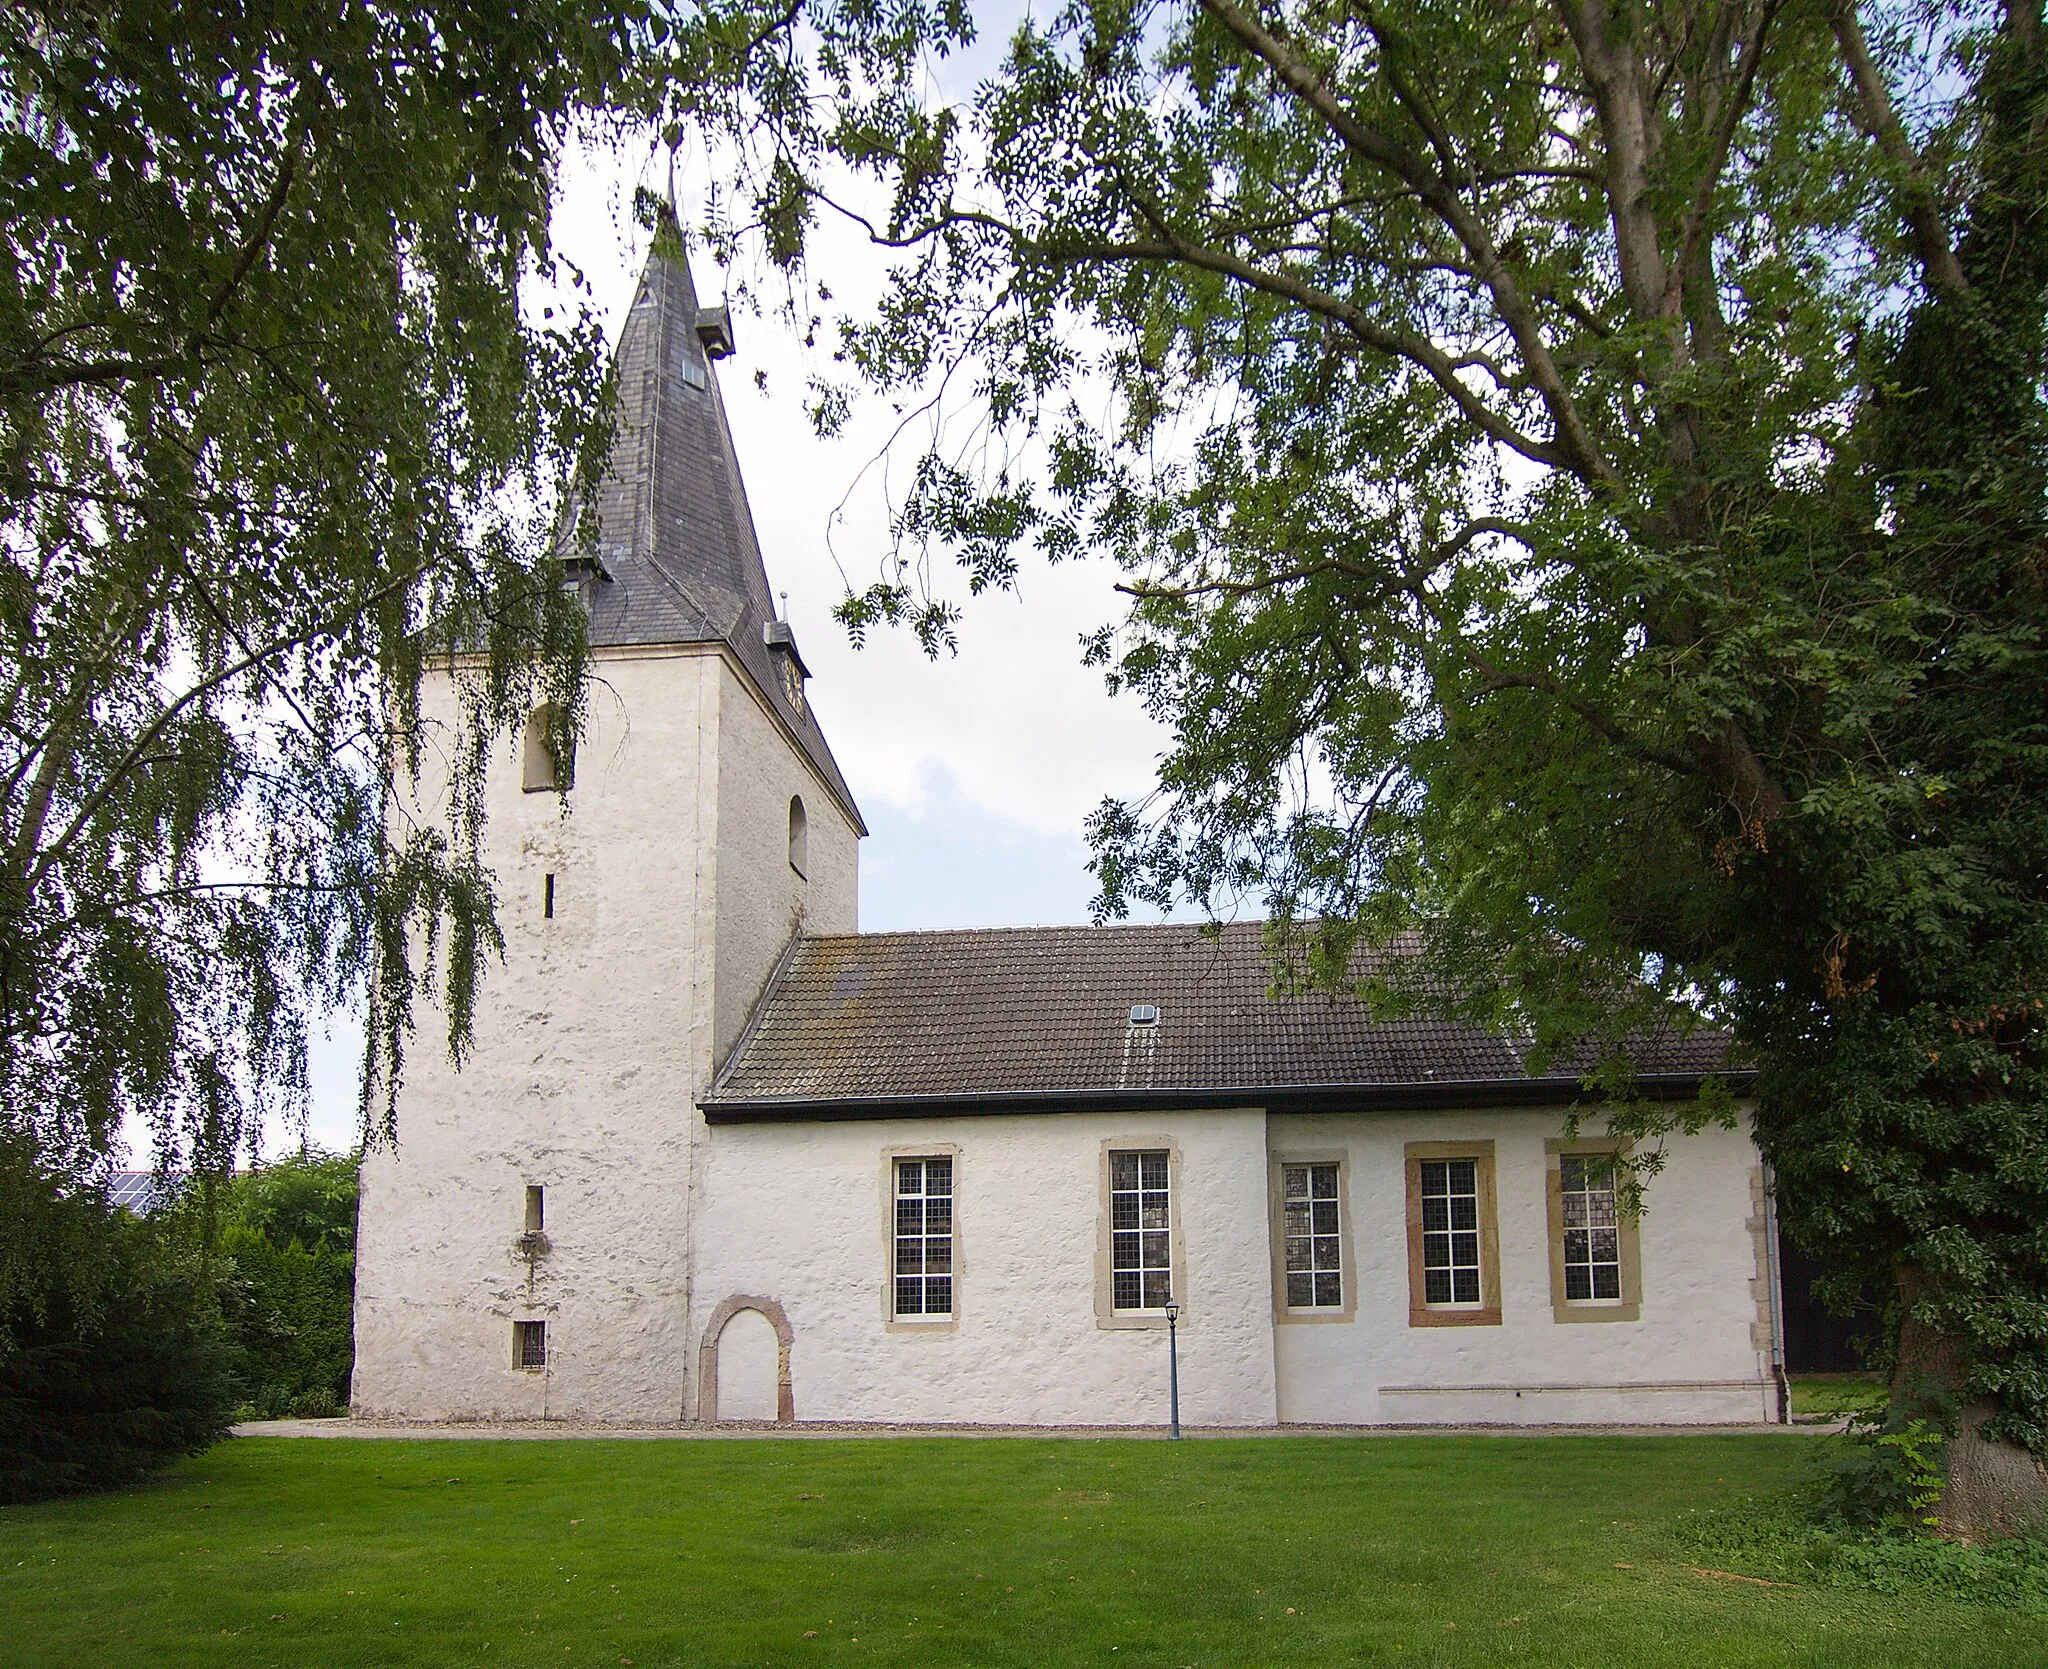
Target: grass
{"x":1836,"y":1393}
{"x":1240,"y":1554}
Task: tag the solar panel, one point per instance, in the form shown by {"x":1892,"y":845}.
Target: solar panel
{"x":141,"y":1191}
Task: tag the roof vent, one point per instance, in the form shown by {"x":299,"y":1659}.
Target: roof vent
{"x":1144,"y":1014}
{"x":714,"y":330}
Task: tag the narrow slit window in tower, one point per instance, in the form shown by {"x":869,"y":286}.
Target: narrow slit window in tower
{"x":799,"y":837}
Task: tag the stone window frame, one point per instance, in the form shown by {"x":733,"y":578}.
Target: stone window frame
{"x":1421,"y":1313}
{"x":891,"y":1321}
{"x":1630,"y":1305}
{"x":1277,"y":1215}
{"x":1107,"y":1315}
{"x":520,"y":1334}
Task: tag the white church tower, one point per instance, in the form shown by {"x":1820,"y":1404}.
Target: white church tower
{"x":526,"y":1249}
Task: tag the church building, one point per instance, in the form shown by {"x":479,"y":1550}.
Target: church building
{"x":719,"y":1156}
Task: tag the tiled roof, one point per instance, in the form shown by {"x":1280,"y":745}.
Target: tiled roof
{"x":1039,"y":1018}
{"x":675,"y":535}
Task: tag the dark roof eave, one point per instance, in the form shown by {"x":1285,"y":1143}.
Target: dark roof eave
{"x":1291,"y":1098}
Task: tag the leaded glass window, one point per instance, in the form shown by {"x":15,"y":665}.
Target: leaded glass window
{"x":1592,"y":1232}
{"x":1450,"y":1231}
{"x":1141,"y":1231}
{"x":1315,"y":1279}
{"x":924,"y":1237}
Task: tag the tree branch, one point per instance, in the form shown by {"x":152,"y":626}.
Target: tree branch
{"x":200,"y":687}
{"x":257,"y":240}
{"x":1732,"y":111}
{"x":1614,"y":71}
{"x":1412,"y":574}
{"x":1572,"y":442}
{"x":1880,"y":120}
{"x":1417,"y":350}
{"x":1601,"y":723}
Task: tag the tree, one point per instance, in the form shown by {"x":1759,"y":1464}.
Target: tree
{"x":287,"y":1234}
{"x":274,"y":436}
{"x":1580,"y":469}
{"x":119,"y":1363}
{"x":304,"y":1199}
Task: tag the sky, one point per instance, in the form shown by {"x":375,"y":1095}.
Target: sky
{"x":1002,"y":748}
{"x":974,"y":772}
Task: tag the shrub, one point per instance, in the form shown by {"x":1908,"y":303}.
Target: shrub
{"x":291,"y":1312}
{"x":1890,"y":1472}
{"x":308,"y":1199}
{"x":1864,"y":1520}
{"x":1798,"y":1537}
{"x":114,"y":1367}
{"x":287,"y":1233}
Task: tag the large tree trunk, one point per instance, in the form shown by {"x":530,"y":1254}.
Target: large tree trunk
{"x":1995,"y":1487}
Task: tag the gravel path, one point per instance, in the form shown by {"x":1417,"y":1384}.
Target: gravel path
{"x":551,"y":1430}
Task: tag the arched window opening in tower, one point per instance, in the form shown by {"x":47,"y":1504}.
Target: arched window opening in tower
{"x":548,"y":762}
{"x":799,"y":837}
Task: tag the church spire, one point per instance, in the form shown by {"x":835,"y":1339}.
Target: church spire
{"x":675,"y":536}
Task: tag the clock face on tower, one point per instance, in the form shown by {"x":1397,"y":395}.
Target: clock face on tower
{"x":793,"y":683}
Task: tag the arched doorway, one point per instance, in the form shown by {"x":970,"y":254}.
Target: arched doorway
{"x":743,"y":1363}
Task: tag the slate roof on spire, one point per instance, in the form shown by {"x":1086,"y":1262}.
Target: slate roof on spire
{"x":675,"y":536}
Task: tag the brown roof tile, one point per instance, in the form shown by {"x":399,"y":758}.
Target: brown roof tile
{"x":1038,"y":1017}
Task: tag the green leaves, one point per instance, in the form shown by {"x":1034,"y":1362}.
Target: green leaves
{"x":1579,"y":472}
{"x":274,"y":440}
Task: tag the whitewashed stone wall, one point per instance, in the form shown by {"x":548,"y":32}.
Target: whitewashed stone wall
{"x":761,"y":900}
{"x":593,"y":1042}
{"x":799,"y":1214}
{"x":1694,"y":1356}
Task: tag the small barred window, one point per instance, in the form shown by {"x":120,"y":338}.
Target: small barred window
{"x":530,"y":1343}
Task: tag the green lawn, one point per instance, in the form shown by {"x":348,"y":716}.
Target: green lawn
{"x":1836,"y":1393}
{"x":1242,"y":1553}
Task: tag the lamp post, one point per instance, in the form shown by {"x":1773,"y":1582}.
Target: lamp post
{"x":1173,"y":1361}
